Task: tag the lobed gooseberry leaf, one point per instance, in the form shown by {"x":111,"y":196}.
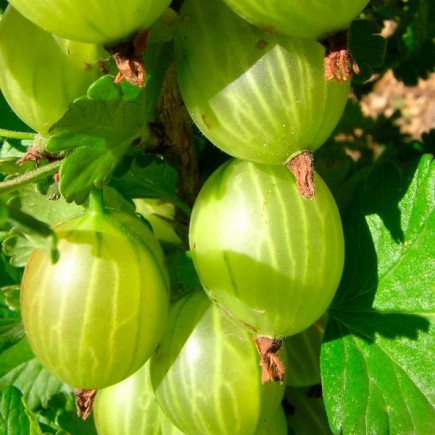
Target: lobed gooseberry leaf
{"x":376,"y":361}
{"x":15,"y":417}
{"x":37,"y":234}
{"x":367,"y":48}
{"x":20,"y":368}
{"x":150,"y":177}
{"x":416,"y":46}
{"x":103,"y":126}
{"x":29,"y":201}
{"x":100,"y":132}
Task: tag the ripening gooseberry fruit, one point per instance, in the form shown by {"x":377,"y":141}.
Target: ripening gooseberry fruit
{"x":206,"y":372}
{"x":269,"y":258}
{"x":130,"y":408}
{"x":41,"y":74}
{"x":94,"y":21}
{"x":94,"y":317}
{"x":305,"y":19}
{"x":257,"y":96}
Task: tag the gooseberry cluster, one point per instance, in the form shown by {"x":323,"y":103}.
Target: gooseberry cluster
{"x":265,"y":233}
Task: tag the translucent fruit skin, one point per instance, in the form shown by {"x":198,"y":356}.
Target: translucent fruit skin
{"x":206,"y":372}
{"x":129,"y":407}
{"x":95,"y":21}
{"x":257,"y":96}
{"x":94,"y":317}
{"x":269,"y":258}
{"x":302,"y":18}
{"x":40,"y":74}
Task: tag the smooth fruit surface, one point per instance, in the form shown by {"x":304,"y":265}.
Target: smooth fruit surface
{"x":128,"y":407}
{"x":94,"y":317}
{"x":275,"y":425}
{"x":255,"y":95}
{"x":305,"y":19}
{"x":96,"y":21}
{"x":206,"y":372}
{"x":40,"y":74}
{"x":268,"y":257}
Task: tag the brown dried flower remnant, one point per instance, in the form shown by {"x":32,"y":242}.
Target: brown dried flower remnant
{"x":128,"y":58}
{"x":303,"y":169}
{"x":85,"y":402}
{"x":272,"y":367}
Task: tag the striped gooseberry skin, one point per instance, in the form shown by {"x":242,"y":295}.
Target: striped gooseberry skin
{"x":96,"y":21}
{"x":130,"y":408}
{"x":40,"y":74}
{"x":305,"y":19}
{"x":94,"y":317}
{"x":257,"y":96}
{"x":268,"y":257}
{"x":206,"y":372}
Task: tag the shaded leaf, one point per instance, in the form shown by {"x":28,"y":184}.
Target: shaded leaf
{"x":150,"y":177}
{"x":306,"y":411}
{"x":20,"y":368}
{"x":367,"y":48}
{"x":11,"y":331}
{"x":15,"y":417}
{"x":376,"y":368}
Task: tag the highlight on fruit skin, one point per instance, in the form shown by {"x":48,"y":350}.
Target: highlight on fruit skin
{"x":271,"y":259}
{"x":255,"y":95}
{"x":206,"y":372}
{"x":96,"y":316}
{"x":304,"y":19}
{"x":93,"y":21}
{"x":41,"y":74}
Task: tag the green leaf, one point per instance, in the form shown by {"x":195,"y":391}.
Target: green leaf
{"x":182,"y":274}
{"x":102,"y":132}
{"x":15,"y":417}
{"x":11,"y":331}
{"x":306,"y":411}
{"x":103,"y":126}
{"x":150,"y":177}
{"x":21,"y":242}
{"x":376,"y":361}
{"x":38,"y":233}
{"x":20,"y":368}
{"x":31,"y":202}
{"x":367,"y":48}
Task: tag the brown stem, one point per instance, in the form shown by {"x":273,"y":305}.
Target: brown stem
{"x":174,"y":128}
{"x":303,"y":169}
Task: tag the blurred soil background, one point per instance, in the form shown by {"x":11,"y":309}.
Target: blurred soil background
{"x":417,"y":103}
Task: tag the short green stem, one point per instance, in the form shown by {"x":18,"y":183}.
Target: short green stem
{"x":96,"y":202}
{"x":22,"y":135}
{"x":29,"y":177}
